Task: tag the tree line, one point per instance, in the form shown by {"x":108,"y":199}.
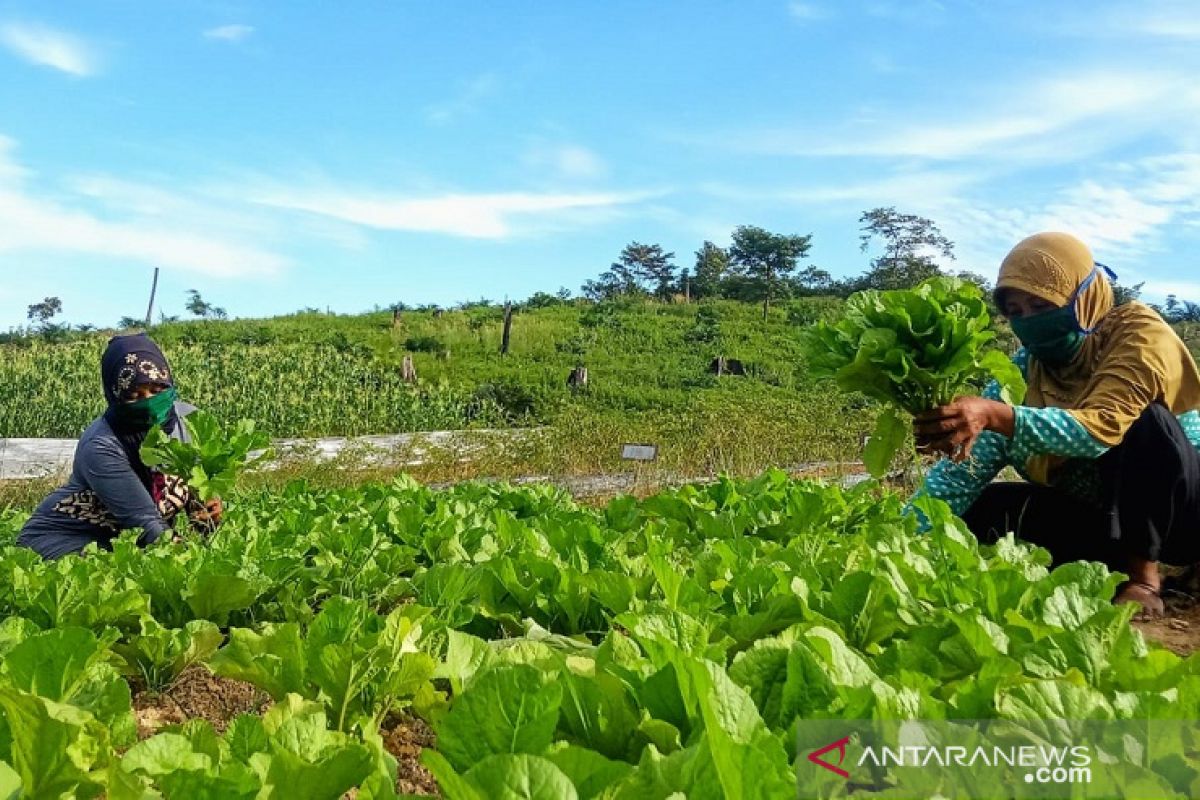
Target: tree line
{"x":763,"y":266}
{"x":759,"y":266}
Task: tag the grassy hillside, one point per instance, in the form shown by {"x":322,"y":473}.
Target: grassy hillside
{"x":323,"y":375}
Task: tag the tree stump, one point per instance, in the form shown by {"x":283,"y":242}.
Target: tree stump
{"x":726,"y":366}
{"x":505,"y":337}
{"x":408,"y":373}
{"x":578,"y":379}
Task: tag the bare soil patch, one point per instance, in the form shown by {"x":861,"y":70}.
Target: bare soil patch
{"x":405,"y":738}
{"x":197,"y":694}
{"x":1179,"y":629}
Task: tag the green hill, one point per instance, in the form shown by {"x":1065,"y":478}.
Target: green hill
{"x":648,"y":364}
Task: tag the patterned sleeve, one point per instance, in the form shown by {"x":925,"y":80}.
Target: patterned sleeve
{"x":1052,"y":431}
{"x":108,"y":473}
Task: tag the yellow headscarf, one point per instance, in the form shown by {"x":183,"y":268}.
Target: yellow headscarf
{"x":1131,"y":359}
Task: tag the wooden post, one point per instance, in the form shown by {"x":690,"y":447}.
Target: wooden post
{"x":395,"y":318}
{"x":687,"y":289}
{"x":578,"y":379}
{"x":504,"y":339}
{"x":408,"y":373}
{"x":153,"y":291}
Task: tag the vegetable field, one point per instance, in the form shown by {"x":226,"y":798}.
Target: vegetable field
{"x":653,"y":648}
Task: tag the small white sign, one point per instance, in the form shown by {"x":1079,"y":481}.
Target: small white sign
{"x":639,"y":452}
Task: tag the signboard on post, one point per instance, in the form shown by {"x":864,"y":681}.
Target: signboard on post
{"x":639,"y":452}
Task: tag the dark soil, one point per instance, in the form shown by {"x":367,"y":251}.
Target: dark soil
{"x":1179,"y":629}
{"x":405,"y":738}
{"x":197,"y":694}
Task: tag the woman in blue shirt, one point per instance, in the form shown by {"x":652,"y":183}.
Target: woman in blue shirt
{"x":110,"y":489}
{"x":1108,"y":438}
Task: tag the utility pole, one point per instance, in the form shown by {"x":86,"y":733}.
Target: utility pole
{"x":153,"y":291}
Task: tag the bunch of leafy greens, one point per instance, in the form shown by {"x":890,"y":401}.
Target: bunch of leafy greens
{"x":915,"y":350}
{"x":213,"y":458}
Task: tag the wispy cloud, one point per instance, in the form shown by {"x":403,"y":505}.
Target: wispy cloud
{"x":466,"y":100}
{"x":1129,"y":212}
{"x":1161,"y":19}
{"x":481,"y":216}
{"x":899,"y":188}
{"x":229,"y":33}
{"x":47,"y":47}
{"x":571,"y":161}
{"x":1093,"y":108}
{"x":922,"y":11}
{"x":807,"y":12}
{"x":150,"y":234}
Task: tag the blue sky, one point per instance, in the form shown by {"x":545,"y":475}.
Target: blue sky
{"x":277,"y":156}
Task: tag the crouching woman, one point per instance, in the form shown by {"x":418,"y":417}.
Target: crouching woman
{"x":111,"y":489}
{"x":1108,"y":440}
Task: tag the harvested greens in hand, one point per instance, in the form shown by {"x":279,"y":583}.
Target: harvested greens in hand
{"x":914,"y":349}
{"x":213,"y":459}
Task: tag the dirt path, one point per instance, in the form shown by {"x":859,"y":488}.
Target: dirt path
{"x":1179,"y":630}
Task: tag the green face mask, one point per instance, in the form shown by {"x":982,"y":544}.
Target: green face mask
{"x":151,"y":411}
{"x":1052,"y":337}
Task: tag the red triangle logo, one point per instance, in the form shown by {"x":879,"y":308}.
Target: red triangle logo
{"x":840,"y":746}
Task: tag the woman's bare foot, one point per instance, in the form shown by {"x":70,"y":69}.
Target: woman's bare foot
{"x":1145,"y":595}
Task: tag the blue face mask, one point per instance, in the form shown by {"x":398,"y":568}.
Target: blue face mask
{"x":1054,"y":337}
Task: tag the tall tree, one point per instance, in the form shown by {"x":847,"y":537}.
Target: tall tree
{"x":636,"y":264}
{"x":766,"y":259}
{"x":43,"y":312}
{"x":648,"y":263}
{"x":812,"y":280}
{"x":910,"y":246}
{"x":1181,"y":310}
{"x":712,"y":265}
{"x":201,"y":308}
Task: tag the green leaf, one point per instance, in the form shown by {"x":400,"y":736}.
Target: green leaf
{"x":521,"y":777}
{"x":10,"y":783}
{"x":891,"y":429}
{"x":163,"y":754}
{"x":590,"y":772}
{"x":510,"y":709}
{"x":273,"y":660}
{"x":54,"y":746}
{"x":70,"y":665}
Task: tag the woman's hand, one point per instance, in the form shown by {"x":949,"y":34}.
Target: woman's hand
{"x":954,"y":429}
{"x":211,"y":513}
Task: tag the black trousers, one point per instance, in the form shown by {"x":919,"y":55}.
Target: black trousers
{"x":1150,"y":508}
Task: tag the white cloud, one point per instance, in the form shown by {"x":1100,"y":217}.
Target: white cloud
{"x":1129,"y":213}
{"x":34,"y":224}
{"x":229,"y":33}
{"x":47,"y":47}
{"x":1162,"y":19}
{"x":467,"y":99}
{"x":920,"y":11}
{"x":808,"y":12}
{"x":483,"y":216}
{"x":570,"y":161}
{"x":1090,"y":109}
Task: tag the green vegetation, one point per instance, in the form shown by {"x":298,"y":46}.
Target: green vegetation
{"x":914,"y":349}
{"x":212,"y":459}
{"x":671,"y":644}
{"x":648,"y":363}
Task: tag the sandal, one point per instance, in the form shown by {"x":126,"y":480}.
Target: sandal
{"x":1145,"y":595}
